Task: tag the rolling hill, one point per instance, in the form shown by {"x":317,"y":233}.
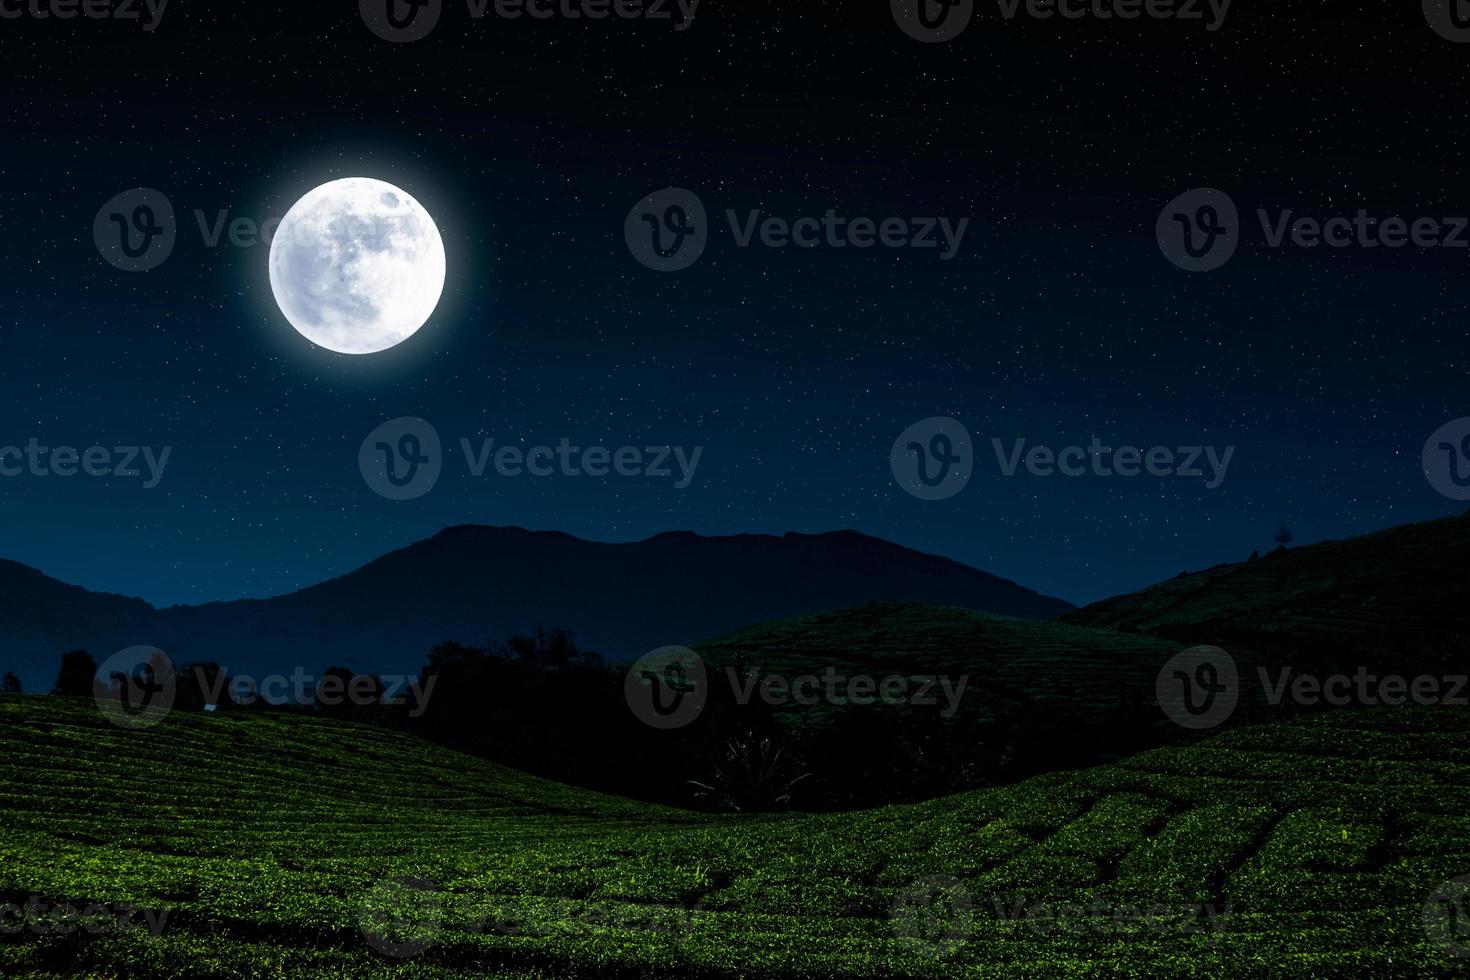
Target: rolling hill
{"x":476,"y":585}
{"x":1396,"y":598}
{"x":277,"y":845}
{"x":1003,"y":657}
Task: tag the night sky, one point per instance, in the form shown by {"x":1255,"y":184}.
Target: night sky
{"x":529,"y":142}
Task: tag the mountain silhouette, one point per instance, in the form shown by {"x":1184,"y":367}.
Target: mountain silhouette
{"x":475,"y":585}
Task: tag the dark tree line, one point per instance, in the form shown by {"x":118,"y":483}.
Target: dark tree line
{"x":543,"y":705}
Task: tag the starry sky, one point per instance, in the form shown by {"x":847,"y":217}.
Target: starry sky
{"x":795,"y":370}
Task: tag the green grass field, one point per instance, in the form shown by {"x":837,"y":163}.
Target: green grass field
{"x":286,"y":846}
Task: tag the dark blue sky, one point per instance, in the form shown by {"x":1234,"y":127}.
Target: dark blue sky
{"x":1060,"y":319}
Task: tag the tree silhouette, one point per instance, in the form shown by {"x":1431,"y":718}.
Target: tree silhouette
{"x":342,"y":694}
{"x":195,"y":684}
{"x":1283,"y":537}
{"x":11,"y":684}
{"x":75,"y":677}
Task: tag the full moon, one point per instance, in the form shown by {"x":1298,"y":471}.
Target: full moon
{"x":357,"y":266}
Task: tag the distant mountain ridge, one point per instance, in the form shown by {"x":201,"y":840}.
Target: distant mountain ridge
{"x":477,"y":584}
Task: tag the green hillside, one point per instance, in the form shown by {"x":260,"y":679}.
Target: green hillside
{"x":274,"y":839}
{"x":1004,"y":699}
{"x":1006,"y":659}
{"x":1389,"y":598}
